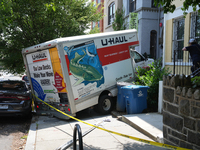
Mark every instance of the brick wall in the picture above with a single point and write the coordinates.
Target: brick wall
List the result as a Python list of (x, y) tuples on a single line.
[(181, 112)]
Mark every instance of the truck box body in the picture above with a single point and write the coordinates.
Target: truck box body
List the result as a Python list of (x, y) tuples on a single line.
[(72, 73)]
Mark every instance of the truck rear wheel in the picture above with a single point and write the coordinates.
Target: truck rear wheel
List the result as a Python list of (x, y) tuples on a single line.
[(105, 105)]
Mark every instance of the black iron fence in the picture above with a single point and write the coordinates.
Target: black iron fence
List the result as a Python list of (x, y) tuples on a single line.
[(182, 62)]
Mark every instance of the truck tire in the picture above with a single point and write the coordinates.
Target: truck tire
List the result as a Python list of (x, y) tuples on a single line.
[(105, 105)]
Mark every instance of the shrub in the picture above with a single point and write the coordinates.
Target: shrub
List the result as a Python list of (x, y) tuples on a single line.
[(151, 77), (196, 82)]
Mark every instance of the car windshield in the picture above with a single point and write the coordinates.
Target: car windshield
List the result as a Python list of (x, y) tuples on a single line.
[(13, 85)]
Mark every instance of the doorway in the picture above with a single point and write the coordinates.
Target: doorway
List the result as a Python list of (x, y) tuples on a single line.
[(153, 44)]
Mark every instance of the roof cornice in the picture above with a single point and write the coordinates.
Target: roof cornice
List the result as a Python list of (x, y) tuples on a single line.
[(147, 9)]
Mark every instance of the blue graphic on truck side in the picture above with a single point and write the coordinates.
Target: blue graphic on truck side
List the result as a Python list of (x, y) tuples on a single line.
[(38, 89), (84, 63)]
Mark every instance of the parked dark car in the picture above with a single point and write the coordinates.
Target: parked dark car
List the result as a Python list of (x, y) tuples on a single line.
[(15, 98)]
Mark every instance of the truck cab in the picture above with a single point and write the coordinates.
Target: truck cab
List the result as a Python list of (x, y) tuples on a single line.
[(139, 59)]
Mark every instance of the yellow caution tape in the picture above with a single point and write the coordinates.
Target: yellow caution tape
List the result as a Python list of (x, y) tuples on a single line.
[(124, 135), (32, 105)]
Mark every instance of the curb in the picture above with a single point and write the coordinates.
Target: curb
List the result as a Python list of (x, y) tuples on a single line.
[(30, 143)]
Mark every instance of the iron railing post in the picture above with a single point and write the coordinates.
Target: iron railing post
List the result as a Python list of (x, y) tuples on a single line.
[(77, 128), (174, 60)]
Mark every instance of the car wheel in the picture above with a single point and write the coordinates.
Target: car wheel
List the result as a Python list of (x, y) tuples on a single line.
[(105, 105)]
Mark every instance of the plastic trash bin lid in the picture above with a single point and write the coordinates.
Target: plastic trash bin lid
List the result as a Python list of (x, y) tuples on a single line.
[(134, 87), (124, 83)]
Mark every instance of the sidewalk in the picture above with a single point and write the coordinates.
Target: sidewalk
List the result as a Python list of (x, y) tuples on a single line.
[(150, 124), (50, 133)]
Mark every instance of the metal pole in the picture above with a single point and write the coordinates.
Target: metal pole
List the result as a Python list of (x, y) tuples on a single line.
[(70, 143), (174, 60), (160, 97)]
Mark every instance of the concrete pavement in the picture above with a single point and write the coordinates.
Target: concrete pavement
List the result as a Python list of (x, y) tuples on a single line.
[(51, 133), (6, 142), (150, 124)]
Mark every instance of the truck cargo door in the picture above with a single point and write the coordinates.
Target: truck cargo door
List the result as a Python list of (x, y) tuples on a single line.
[(46, 75)]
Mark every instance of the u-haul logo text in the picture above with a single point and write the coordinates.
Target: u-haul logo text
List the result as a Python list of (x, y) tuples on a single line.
[(114, 40), (39, 56)]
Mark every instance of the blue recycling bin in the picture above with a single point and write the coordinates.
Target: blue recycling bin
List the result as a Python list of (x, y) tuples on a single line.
[(121, 103), (135, 97)]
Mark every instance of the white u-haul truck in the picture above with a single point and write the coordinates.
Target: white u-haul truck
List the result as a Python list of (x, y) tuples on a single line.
[(75, 73)]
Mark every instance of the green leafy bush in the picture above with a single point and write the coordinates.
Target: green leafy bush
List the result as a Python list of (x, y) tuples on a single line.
[(196, 82), (151, 77)]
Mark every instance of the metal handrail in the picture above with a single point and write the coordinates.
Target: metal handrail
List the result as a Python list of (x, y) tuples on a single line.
[(195, 73), (77, 128)]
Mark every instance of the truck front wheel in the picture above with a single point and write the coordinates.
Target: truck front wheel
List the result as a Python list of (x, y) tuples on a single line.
[(105, 105)]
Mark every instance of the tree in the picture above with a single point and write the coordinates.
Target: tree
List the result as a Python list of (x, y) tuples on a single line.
[(119, 21), (24, 23), (168, 6)]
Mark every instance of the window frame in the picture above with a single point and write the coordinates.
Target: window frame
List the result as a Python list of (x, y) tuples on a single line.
[(193, 26), (111, 13), (132, 9), (177, 40)]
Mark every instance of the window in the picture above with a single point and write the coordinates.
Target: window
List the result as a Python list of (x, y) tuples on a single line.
[(152, 4), (98, 24), (136, 56), (178, 42), (99, 1), (93, 25), (111, 13), (153, 43), (132, 5), (195, 26)]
